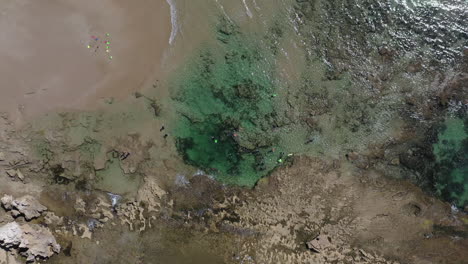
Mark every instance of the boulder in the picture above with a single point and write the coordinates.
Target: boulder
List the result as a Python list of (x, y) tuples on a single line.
[(32, 241), (26, 206), (319, 243)]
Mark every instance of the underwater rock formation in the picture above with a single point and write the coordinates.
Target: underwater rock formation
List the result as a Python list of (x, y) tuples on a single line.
[(451, 152), (226, 110)]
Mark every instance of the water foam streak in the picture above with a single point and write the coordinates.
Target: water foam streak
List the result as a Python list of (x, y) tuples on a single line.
[(175, 26), (249, 13)]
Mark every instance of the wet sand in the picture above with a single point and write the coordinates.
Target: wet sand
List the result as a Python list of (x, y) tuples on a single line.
[(45, 62)]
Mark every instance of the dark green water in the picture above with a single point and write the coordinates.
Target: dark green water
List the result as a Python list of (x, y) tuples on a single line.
[(226, 99), (451, 151)]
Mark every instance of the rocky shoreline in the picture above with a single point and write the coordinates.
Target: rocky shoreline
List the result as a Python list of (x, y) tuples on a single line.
[(308, 211), (351, 142)]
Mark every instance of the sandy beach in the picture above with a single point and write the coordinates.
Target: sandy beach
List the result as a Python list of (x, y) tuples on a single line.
[(71, 54)]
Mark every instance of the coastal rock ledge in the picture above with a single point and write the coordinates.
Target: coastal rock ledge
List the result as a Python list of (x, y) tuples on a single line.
[(26, 206), (32, 241)]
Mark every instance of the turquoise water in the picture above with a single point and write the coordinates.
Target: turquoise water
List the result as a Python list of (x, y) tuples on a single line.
[(451, 152), (226, 97), (319, 78)]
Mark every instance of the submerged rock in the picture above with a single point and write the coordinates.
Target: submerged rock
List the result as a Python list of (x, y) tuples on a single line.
[(26, 206), (15, 173), (32, 241), (20, 175), (11, 173), (227, 112), (52, 219), (80, 205)]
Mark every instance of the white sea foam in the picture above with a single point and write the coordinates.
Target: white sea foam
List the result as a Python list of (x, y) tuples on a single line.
[(115, 198), (199, 172), (181, 180), (175, 26), (256, 5), (224, 12), (247, 10)]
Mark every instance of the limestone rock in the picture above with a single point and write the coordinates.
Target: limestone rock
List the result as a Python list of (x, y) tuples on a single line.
[(365, 254), (133, 215), (15, 173), (86, 233), (359, 160), (26, 206), (32, 241), (319, 243), (80, 205), (102, 211), (100, 159), (151, 194), (2, 156), (52, 219), (7, 257), (11, 173), (5, 218), (20, 175), (10, 235)]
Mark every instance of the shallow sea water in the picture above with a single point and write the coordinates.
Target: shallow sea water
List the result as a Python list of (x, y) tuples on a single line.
[(254, 83), (268, 79)]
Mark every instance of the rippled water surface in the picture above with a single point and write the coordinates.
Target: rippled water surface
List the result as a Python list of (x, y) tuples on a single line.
[(267, 80)]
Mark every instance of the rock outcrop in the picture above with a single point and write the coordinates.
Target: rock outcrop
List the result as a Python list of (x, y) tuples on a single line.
[(32, 241), (151, 194), (7, 257), (26, 206), (319, 243)]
